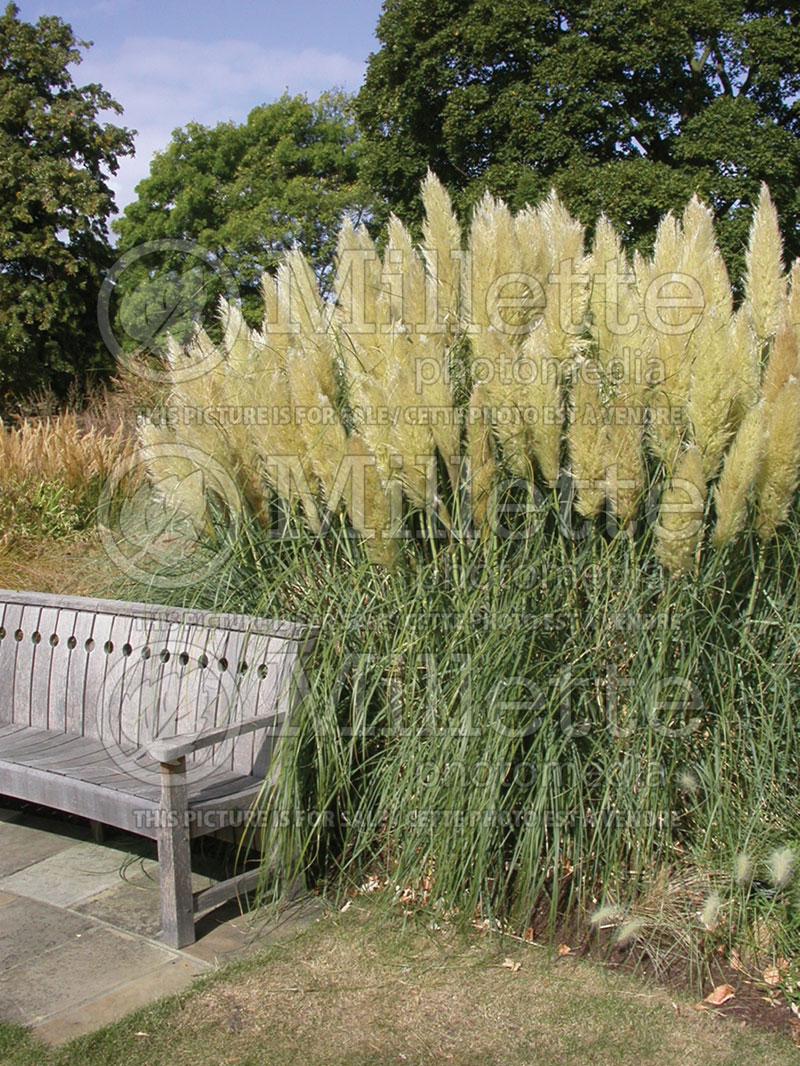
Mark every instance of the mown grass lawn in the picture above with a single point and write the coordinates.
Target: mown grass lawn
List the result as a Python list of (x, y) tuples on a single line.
[(349, 991)]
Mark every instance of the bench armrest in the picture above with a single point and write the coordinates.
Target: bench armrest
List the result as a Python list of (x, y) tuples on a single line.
[(170, 749)]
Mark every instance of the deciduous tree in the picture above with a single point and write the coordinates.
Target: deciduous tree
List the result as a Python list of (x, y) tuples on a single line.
[(626, 108), (56, 158)]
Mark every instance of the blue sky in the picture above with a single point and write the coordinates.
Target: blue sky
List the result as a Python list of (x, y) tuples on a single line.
[(174, 61)]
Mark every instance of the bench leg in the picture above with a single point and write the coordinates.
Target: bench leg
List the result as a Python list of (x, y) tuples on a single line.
[(174, 860)]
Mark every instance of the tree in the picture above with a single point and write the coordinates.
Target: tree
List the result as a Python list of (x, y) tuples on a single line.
[(626, 108), (246, 193), (55, 161)]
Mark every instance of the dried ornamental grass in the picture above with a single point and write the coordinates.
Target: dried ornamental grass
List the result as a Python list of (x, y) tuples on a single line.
[(535, 328)]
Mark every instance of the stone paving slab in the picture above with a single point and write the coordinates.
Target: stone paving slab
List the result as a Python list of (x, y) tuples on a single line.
[(79, 929), (105, 959), (75, 873), (29, 928), (166, 979), (24, 845), (133, 903)]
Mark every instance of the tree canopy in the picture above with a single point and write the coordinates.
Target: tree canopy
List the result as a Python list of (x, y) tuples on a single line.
[(625, 108), (55, 162), (246, 192)]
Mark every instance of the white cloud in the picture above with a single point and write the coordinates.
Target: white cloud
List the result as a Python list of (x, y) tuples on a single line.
[(165, 82)]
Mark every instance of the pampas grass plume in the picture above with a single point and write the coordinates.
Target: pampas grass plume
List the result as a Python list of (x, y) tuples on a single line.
[(780, 864)]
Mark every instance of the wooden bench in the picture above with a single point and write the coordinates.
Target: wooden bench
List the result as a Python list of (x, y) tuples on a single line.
[(156, 720)]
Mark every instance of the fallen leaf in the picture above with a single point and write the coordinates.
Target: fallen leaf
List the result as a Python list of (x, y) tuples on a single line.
[(699, 1006), (720, 995), (736, 961), (772, 976), (510, 964), (347, 906), (528, 938), (564, 949)]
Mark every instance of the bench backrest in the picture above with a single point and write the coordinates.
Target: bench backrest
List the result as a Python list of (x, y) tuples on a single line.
[(124, 673)]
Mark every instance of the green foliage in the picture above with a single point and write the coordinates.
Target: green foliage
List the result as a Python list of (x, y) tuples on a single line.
[(625, 109), (55, 160), (247, 192), (520, 729), (33, 509)]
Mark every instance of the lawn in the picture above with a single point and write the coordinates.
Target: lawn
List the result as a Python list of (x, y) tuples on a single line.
[(352, 991)]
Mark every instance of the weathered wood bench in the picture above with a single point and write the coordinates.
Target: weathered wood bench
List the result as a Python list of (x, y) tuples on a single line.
[(156, 720)]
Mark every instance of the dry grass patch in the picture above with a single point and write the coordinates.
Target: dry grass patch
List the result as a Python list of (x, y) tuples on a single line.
[(70, 567), (351, 991)]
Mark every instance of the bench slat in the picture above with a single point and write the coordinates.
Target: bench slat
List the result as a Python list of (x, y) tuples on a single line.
[(86, 685)]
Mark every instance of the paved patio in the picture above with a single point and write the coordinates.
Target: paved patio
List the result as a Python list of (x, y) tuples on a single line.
[(79, 927)]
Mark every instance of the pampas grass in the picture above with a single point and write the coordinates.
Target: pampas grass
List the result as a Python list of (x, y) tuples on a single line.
[(629, 377)]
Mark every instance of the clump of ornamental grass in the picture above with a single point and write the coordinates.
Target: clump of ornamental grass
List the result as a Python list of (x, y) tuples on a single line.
[(51, 473), (548, 531)]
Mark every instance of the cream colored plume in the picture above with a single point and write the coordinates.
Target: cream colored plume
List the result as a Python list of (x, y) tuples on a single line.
[(482, 469), (535, 257), (624, 460), (794, 296), (778, 477), (680, 517), (587, 439), (714, 391), (173, 470), (702, 262), (411, 440), (742, 465), (309, 319), (369, 504), (613, 306), (318, 423), (442, 251), (765, 284), (564, 311), (782, 363), (236, 338), (404, 283), (748, 361), (541, 407), (490, 267), (721, 368), (275, 329), (358, 286)]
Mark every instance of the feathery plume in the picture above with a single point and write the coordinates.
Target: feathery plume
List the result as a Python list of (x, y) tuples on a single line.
[(780, 470), (765, 285), (742, 465), (793, 313), (540, 400), (442, 251), (586, 437), (624, 462), (482, 468), (369, 504), (743, 869), (781, 863), (175, 476), (318, 423), (308, 317), (680, 520), (782, 362)]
